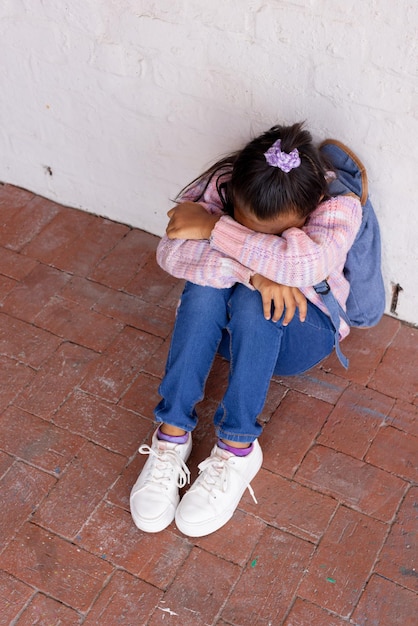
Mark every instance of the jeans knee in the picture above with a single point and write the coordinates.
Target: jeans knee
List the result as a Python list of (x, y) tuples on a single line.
[(203, 301), (246, 306)]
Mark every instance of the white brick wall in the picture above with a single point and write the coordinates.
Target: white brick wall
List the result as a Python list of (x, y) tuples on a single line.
[(127, 100)]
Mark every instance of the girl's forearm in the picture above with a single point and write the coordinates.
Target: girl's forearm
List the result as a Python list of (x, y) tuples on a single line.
[(197, 262), (300, 257)]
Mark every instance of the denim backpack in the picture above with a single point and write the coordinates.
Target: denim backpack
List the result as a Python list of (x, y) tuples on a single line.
[(366, 300)]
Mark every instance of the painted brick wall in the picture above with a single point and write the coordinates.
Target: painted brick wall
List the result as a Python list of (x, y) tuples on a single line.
[(113, 106)]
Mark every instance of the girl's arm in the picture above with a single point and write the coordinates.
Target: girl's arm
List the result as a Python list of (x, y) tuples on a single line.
[(198, 262), (190, 256), (195, 259), (299, 257)]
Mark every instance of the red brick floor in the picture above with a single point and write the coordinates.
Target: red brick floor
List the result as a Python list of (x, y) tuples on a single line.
[(85, 322)]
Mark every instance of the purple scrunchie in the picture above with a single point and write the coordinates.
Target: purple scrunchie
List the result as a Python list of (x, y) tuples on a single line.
[(284, 161)]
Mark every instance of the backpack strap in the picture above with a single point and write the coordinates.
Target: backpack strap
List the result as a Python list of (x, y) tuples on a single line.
[(351, 179), (335, 311), (351, 173)]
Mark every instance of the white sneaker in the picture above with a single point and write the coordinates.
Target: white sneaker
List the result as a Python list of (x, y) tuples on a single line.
[(214, 496), (155, 495)]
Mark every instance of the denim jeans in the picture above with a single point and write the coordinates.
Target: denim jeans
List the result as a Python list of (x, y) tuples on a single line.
[(232, 322)]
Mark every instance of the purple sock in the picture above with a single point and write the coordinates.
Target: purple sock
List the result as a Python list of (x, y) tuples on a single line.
[(236, 451), (171, 438)]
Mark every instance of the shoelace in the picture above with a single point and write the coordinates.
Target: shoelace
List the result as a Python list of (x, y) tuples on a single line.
[(216, 472), (164, 462)]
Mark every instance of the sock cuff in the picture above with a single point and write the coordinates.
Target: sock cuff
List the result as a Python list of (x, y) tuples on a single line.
[(236, 451), (171, 438)]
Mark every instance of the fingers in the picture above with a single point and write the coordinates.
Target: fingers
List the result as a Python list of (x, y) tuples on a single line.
[(294, 299), (302, 304), (267, 305), (177, 222), (277, 305), (285, 300), (290, 310), (170, 226), (171, 230), (278, 299)]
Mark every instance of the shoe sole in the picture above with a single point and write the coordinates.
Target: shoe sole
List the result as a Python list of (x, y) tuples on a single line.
[(207, 528), (157, 525)]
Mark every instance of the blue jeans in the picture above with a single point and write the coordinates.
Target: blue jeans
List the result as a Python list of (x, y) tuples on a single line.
[(231, 321)]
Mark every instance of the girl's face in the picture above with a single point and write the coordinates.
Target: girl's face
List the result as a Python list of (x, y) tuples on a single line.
[(272, 226)]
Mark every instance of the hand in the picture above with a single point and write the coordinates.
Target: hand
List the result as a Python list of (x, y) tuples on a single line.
[(282, 297), (190, 220)]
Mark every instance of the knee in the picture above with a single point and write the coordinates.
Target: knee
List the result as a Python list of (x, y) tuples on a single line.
[(246, 305), (198, 300)]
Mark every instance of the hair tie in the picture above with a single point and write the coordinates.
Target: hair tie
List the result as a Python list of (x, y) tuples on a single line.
[(284, 161)]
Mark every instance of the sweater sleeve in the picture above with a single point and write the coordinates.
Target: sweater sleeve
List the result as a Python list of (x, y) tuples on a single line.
[(300, 257), (196, 260)]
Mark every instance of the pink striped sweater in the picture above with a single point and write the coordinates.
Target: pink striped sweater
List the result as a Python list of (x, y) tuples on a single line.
[(300, 257)]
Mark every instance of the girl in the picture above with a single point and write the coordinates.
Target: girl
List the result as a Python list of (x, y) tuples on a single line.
[(251, 236)]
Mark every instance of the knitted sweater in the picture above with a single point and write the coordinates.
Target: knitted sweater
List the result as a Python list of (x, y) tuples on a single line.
[(299, 257)]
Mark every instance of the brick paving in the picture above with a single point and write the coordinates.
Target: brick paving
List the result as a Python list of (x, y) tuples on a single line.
[(85, 321)]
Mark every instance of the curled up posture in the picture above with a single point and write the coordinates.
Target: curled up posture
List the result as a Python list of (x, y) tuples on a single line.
[(251, 237)]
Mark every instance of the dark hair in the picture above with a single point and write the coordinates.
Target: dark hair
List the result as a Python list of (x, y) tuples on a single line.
[(264, 190)]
